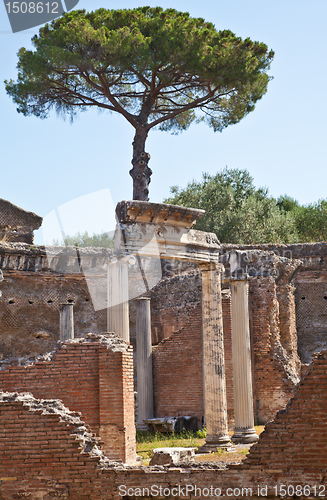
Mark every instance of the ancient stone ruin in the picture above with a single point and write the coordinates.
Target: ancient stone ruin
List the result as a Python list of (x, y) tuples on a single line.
[(224, 337), (16, 224)]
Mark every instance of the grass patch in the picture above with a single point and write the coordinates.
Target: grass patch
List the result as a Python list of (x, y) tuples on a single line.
[(146, 442)]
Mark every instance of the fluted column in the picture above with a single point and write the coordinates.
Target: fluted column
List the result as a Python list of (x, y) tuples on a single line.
[(144, 362), (118, 311), (66, 322), (241, 354), (213, 358)]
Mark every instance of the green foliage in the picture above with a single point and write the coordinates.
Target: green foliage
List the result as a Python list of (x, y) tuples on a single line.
[(172, 437), (287, 203), (201, 433), (158, 68), (103, 240), (235, 210), (311, 221), (240, 213)]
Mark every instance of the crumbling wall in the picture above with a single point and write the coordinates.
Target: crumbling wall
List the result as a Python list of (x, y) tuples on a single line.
[(35, 284), (275, 372), (47, 452), (297, 437), (177, 357), (310, 291), (29, 312), (176, 319), (169, 300), (275, 363), (311, 313), (93, 376), (32, 291), (16, 224)]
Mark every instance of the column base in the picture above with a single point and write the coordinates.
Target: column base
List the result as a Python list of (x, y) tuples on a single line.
[(222, 443), (245, 436), (142, 427)]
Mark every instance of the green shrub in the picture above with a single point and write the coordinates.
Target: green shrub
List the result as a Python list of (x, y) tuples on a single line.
[(202, 433)]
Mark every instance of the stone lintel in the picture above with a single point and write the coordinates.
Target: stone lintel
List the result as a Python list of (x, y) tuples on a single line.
[(157, 213)]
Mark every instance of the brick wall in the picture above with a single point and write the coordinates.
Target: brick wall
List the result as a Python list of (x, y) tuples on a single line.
[(29, 312), (276, 371), (176, 318), (311, 312), (177, 367), (46, 452), (297, 437), (93, 376), (116, 404), (177, 360)]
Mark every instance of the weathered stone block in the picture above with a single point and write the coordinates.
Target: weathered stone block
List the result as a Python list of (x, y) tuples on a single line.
[(167, 456)]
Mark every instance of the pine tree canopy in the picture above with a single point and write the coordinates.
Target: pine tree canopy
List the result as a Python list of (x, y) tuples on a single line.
[(158, 68)]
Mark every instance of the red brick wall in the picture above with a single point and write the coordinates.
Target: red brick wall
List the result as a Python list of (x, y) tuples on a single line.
[(297, 438), (177, 367), (116, 404), (176, 317), (45, 452), (311, 312), (275, 373), (177, 362), (89, 377)]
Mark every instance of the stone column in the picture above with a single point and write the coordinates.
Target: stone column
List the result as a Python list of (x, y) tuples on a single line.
[(213, 359), (144, 362), (241, 353), (66, 322), (118, 311)]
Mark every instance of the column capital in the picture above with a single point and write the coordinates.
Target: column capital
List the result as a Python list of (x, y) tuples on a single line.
[(64, 305), (211, 266), (240, 277)]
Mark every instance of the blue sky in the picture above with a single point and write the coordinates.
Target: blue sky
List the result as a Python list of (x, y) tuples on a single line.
[(48, 163)]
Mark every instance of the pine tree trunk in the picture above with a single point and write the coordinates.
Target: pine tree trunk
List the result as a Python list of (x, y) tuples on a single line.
[(140, 172)]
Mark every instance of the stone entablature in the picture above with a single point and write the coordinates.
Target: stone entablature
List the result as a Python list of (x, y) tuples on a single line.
[(312, 255), (166, 236), (157, 213), (68, 260)]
